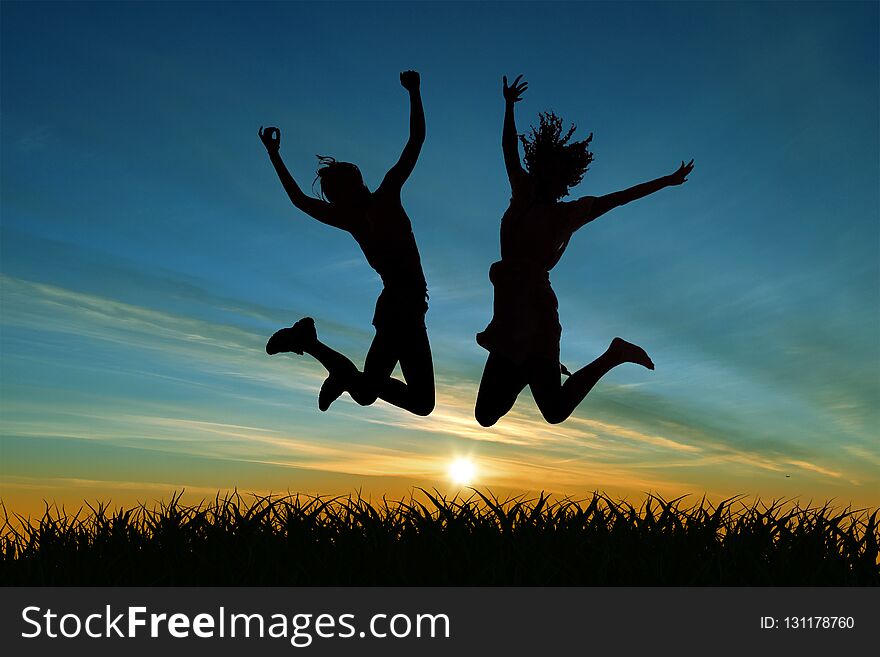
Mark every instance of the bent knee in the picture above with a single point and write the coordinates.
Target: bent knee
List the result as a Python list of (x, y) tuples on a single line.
[(554, 415), (423, 409), (362, 398), (485, 419), (423, 406)]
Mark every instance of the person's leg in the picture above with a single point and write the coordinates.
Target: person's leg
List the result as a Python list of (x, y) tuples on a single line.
[(557, 402), (365, 386), (417, 393), (401, 336), (412, 349), (303, 338), (500, 385)]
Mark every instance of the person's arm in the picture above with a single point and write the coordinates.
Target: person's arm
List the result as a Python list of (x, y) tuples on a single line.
[(509, 145), (315, 208), (398, 174), (588, 208)]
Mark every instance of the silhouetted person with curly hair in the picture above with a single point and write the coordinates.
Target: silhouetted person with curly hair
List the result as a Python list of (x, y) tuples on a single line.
[(523, 336), (381, 227)]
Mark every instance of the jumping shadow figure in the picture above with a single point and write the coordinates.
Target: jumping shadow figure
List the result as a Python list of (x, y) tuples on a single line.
[(381, 227), (523, 337)]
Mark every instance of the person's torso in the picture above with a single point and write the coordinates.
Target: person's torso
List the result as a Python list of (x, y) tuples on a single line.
[(532, 232), (384, 232)]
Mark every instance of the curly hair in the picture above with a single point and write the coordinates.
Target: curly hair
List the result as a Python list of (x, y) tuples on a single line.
[(556, 164)]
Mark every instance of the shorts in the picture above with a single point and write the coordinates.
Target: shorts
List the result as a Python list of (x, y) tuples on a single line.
[(400, 310)]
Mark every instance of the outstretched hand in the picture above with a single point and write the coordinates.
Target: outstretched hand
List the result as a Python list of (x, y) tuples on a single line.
[(271, 138), (514, 92), (681, 175), (410, 80)]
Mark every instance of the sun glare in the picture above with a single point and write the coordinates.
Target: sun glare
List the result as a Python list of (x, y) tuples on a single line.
[(461, 471)]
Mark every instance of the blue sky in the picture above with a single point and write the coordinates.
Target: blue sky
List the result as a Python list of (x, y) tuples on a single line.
[(147, 249)]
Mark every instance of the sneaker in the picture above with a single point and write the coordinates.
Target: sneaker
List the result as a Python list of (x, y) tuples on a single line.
[(337, 382), (294, 338)]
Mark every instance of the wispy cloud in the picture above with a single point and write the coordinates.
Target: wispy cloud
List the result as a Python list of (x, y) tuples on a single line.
[(220, 349), (521, 450), (812, 467), (872, 457)]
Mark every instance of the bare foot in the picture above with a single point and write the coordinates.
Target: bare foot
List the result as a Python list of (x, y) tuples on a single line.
[(293, 339), (628, 352)]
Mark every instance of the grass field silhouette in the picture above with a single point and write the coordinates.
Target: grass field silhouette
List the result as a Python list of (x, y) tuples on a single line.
[(430, 539)]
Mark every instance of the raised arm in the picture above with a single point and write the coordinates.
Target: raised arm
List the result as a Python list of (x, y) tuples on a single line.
[(315, 208), (398, 174), (591, 207), (509, 145)]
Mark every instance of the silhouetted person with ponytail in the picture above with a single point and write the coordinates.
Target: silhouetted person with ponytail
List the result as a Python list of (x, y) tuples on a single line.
[(523, 336), (379, 224)]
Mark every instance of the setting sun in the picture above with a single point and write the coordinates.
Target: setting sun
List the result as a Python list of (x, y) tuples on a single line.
[(461, 471)]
